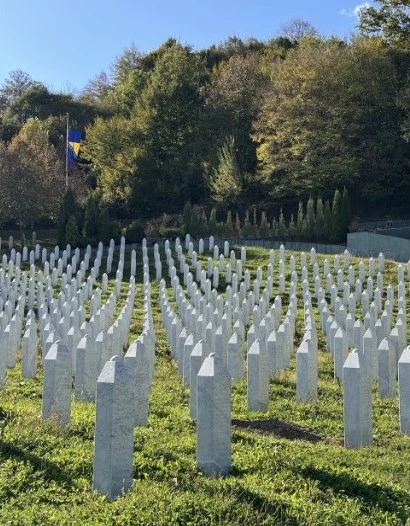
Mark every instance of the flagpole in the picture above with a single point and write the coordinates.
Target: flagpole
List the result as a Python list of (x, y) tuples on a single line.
[(66, 156)]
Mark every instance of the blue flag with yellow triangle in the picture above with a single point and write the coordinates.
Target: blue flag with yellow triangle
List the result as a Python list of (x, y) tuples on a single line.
[(74, 141)]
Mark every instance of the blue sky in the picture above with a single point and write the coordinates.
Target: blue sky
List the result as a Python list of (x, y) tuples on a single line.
[(65, 44)]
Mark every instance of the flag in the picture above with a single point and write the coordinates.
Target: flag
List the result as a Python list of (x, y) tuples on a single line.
[(74, 141)]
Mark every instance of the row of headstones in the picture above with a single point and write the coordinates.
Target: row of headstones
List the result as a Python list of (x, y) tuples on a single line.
[(349, 299), (206, 372), (59, 319), (121, 390), (257, 388), (305, 284), (357, 396), (371, 311), (337, 258), (307, 374), (89, 358), (121, 404), (379, 351), (10, 243), (86, 288)]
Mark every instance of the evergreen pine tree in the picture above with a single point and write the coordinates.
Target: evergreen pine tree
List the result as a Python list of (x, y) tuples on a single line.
[(91, 218), (319, 223), (195, 221), (292, 228), (255, 224), (310, 219), (105, 229), (274, 228), (237, 226), (335, 231), (71, 232), (68, 207), (345, 214), (247, 229), (203, 225), (264, 226), (212, 223), (229, 225), (300, 225), (187, 217), (282, 230), (327, 221)]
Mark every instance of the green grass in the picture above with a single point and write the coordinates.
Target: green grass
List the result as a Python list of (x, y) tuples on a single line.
[(288, 465)]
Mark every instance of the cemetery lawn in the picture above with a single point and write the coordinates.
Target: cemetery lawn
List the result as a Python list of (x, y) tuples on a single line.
[(289, 465)]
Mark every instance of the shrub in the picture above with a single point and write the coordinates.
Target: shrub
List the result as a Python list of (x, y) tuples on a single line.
[(335, 227), (187, 218), (68, 208), (107, 228), (134, 233), (171, 232), (91, 218), (71, 232)]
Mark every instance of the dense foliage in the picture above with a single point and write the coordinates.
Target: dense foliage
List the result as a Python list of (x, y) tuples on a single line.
[(238, 125)]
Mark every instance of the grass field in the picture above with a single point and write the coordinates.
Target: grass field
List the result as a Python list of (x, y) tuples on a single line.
[(289, 465)]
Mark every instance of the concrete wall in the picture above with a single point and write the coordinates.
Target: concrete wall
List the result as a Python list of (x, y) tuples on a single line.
[(366, 244), (297, 246), (403, 232)]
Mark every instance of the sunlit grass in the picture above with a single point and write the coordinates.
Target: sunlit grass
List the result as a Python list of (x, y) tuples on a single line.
[(289, 464)]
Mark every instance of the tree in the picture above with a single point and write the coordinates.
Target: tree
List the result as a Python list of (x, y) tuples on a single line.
[(327, 223), (391, 20), (71, 235), (129, 60), (229, 225), (226, 181), (300, 224), (232, 102), (247, 229), (292, 228), (336, 230), (187, 217), (91, 219), (167, 169), (111, 147), (297, 29), (100, 92), (310, 218), (212, 223), (320, 219), (237, 225), (68, 207), (345, 214), (281, 227), (106, 229), (31, 176), (264, 226), (196, 221), (15, 85), (203, 225), (324, 123)]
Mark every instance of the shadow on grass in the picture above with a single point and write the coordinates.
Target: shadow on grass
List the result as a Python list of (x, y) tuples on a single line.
[(372, 495), (278, 428), (279, 512), (51, 471)]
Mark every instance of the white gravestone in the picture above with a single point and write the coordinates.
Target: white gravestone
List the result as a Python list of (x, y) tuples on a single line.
[(213, 451), (404, 391), (57, 383), (357, 403), (114, 425)]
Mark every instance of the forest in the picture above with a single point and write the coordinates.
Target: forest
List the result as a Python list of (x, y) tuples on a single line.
[(244, 126)]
